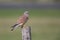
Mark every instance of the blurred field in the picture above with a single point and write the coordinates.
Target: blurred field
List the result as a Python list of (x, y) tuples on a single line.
[(45, 24)]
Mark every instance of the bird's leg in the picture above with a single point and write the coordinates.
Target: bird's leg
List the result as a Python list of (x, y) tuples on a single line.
[(21, 26)]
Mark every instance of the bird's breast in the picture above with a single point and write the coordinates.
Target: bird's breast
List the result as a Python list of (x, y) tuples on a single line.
[(22, 20)]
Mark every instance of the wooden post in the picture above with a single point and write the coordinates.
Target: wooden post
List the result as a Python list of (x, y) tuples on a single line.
[(26, 33)]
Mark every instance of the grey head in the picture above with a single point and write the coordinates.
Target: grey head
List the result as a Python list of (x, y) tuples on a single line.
[(26, 13)]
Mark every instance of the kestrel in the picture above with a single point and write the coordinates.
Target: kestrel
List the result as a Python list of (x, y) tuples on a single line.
[(21, 21)]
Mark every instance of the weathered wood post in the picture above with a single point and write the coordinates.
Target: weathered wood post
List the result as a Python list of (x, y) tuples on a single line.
[(26, 33)]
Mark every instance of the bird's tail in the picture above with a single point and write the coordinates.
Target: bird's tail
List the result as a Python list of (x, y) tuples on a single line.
[(14, 26)]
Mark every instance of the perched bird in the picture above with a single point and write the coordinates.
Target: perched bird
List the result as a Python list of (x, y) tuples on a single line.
[(21, 21)]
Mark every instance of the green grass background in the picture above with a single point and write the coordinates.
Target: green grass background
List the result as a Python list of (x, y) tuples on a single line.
[(45, 24)]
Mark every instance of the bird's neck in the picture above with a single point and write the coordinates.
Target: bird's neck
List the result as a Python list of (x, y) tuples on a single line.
[(26, 15)]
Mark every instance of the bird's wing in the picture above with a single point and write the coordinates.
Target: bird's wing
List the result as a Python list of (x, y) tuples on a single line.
[(22, 19)]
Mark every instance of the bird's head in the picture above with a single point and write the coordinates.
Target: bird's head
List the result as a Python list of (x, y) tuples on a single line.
[(26, 13)]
